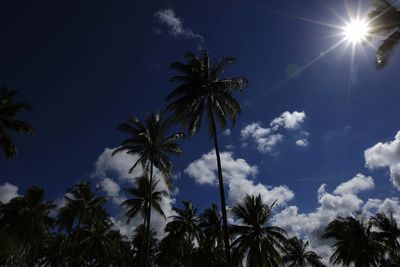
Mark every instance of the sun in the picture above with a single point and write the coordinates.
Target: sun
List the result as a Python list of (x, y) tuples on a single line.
[(356, 31)]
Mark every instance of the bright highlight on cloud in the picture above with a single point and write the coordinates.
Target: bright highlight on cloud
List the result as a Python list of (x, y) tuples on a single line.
[(268, 138), (7, 192), (386, 154), (237, 174)]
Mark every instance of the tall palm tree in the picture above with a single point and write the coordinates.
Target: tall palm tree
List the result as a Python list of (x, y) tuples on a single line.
[(388, 234), (257, 241), (385, 21), (152, 142), (139, 244), (354, 242), (25, 224), (9, 110), (298, 255), (202, 90)]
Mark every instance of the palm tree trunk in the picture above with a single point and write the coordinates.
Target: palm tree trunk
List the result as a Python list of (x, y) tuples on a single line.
[(149, 215), (222, 195)]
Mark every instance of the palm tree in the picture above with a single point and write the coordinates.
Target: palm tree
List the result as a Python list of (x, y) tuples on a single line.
[(140, 203), (9, 109), (298, 255), (202, 90), (152, 145), (177, 247), (211, 248), (260, 243), (385, 20), (25, 224), (388, 234), (354, 242), (139, 244)]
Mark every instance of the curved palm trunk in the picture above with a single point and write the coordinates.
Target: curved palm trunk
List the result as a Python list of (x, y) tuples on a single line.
[(222, 195), (149, 216)]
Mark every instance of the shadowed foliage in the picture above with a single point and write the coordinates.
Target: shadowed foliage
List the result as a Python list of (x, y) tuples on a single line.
[(9, 110), (256, 241), (385, 25), (355, 243), (298, 255), (202, 91)]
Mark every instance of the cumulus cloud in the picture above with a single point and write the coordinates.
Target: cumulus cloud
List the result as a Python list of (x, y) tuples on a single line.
[(386, 154), (227, 132), (343, 201), (169, 18), (237, 174), (267, 138), (7, 192), (112, 174)]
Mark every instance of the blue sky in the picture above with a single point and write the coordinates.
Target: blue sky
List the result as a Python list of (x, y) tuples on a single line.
[(87, 66)]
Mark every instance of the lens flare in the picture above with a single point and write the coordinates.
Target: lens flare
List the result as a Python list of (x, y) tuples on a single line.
[(356, 31)]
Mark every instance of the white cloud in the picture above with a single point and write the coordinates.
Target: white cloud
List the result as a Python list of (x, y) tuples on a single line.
[(8, 192), (342, 202), (386, 154), (302, 142), (289, 120), (236, 174), (112, 172), (268, 138), (227, 132), (168, 17)]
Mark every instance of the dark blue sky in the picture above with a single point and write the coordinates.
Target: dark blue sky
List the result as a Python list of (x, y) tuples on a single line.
[(86, 66)]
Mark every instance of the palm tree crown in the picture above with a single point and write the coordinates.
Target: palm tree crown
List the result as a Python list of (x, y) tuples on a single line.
[(354, 242), (298, 255), (151, 142), (385, 21), (260, 243), (9, 109), (139, 204)]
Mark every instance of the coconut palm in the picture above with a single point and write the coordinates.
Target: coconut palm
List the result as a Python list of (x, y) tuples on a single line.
[(385, 21), (388, 234), (25, 223), (355, 243), (257, 241), (139, 244), (140, 203), (202, 90), (152, 143), (210, 251), (298, 255), (177, 247), (9, 110)]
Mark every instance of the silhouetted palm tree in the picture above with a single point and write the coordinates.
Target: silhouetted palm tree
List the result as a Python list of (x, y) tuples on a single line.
[(385, 20), (139, 244), (140, 203), (9, 110), (151, 142), (202, 90), (256, 241), (354, 243), (388, 234), (210, 251), (176, 249), (298, 255), (24, 227)]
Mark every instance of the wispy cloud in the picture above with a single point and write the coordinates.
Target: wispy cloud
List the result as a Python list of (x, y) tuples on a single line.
[(175, 25)]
